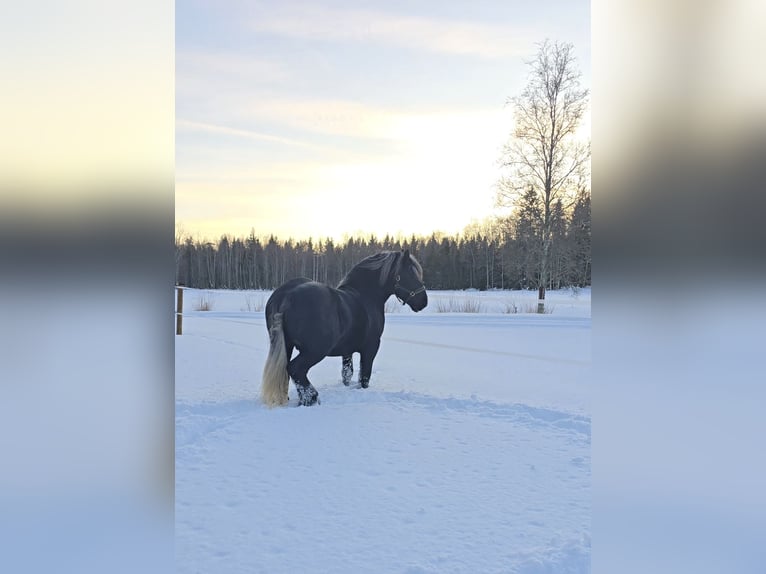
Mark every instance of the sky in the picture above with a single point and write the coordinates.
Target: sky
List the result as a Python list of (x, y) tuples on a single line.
[(326, 119)]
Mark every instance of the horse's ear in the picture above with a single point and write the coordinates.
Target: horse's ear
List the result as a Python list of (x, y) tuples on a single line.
[(406, 253)]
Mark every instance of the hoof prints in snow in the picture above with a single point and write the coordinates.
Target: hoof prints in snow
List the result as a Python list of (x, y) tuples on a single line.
[(198, 420), (194, 422), (513, 412), (406, 481)]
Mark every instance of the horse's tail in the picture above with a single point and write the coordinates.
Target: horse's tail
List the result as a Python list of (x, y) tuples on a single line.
[(275, 381)]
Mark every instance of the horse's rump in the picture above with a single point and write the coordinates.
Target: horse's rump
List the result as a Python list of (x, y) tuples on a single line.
[(274, 303)]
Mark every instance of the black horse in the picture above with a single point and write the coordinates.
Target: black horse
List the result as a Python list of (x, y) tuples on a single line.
[(321, 321)]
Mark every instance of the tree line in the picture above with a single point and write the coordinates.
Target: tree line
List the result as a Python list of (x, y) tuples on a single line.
[(498, 253)]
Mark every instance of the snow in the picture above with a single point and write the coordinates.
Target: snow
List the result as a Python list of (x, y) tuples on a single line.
[(470, 451)]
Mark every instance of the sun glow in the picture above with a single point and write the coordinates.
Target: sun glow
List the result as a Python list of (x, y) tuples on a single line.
[(440, 177)]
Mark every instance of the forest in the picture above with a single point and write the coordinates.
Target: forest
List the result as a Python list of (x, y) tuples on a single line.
[(498, 253)]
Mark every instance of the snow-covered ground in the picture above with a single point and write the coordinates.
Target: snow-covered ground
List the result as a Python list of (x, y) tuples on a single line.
[(470, 451)]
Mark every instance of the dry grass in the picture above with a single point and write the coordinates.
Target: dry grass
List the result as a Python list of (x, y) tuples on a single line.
[(453, 305), (204, 302), (574, 291), (511, 308), (254, 304)]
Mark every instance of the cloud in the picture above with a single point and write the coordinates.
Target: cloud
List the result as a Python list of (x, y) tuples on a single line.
[(310, 124), (191, 125), (225, 93), (327, 116), (198, 68), (433, 35)]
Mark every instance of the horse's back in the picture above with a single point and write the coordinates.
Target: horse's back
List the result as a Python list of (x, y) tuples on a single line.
[(314, 314)]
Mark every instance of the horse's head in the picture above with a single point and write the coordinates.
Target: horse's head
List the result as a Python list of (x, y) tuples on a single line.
[(408, 282)]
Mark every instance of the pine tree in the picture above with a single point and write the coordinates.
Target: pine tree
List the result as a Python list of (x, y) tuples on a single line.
[(579, 241)]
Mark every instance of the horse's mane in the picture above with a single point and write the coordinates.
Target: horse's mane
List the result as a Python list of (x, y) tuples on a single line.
[(417, 267), (381, 263)]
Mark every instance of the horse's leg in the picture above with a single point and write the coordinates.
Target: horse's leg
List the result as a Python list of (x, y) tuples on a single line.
[(367, 356), (347, 370), (298, 369)]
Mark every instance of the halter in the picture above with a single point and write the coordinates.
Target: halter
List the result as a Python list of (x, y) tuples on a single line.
[(409, 294)]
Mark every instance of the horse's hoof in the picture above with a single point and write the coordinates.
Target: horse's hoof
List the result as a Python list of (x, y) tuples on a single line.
[(308, 398), (364, 384)]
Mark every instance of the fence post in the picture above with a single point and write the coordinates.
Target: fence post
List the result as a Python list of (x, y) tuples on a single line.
[(179, 310)]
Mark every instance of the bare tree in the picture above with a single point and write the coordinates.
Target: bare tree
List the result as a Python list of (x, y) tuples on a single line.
[(179, 251), (543, 153)]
